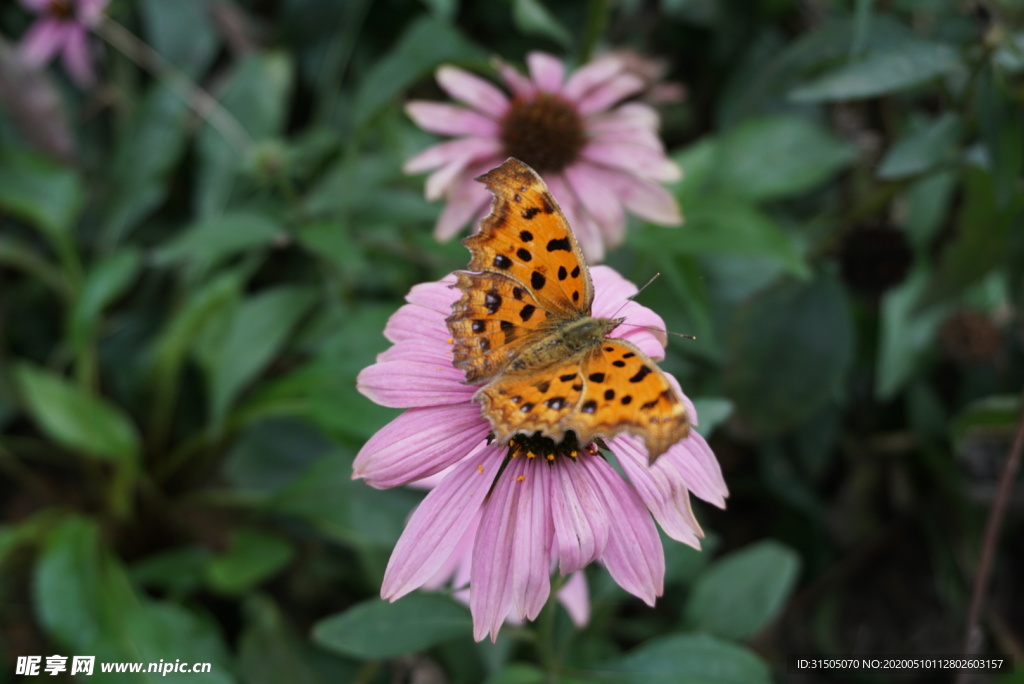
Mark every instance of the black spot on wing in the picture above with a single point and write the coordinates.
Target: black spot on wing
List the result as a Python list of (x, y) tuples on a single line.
[(479, 326), (524, 254), (538, 280), (596, 377), (501, 261), (526, 312), (609, 394), (525, 235), (567, 377), (641, 374), (562, 273), (492, 301), (517, 293), (557, 244), (589, 406), (543, 386), (618, 364), (530, 212), (575, 272)]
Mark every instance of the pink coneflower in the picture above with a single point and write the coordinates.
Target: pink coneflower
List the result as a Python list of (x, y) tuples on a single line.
[(598, 155), (62, 26), (535, 506)]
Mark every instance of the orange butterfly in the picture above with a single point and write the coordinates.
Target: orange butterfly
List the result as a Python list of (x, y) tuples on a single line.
[(523, 328)]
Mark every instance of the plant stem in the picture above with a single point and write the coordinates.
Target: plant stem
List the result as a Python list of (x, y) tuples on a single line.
[(972, 638)]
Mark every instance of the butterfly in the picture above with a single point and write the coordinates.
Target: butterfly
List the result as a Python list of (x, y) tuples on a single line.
[(523, 330)]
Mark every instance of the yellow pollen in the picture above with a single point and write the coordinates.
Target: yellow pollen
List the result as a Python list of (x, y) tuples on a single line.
[(480, 469), (520, 478), (451, 341), (551, 457), (530, 454)]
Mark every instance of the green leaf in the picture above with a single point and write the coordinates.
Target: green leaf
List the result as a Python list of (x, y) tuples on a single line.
[(329, 499), (738, 595), (723, 224), (880, 72), (778, 156), (982, 235), (273, 453), (788, 351), (164, 631), (69, 584), (39, 190), (144, 155), (425, 45), (257, 95), (75, 419), (18, 254), (254, 336), (271, 652), (254, 557), (208, 242), (104, 283), (182, 32), (689, 658), (177, 572), (906, 333), (924, 149), (378, 629), (534, 19)]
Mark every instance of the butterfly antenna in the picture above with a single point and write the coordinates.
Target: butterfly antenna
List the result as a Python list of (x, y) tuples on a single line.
[(648, 327)]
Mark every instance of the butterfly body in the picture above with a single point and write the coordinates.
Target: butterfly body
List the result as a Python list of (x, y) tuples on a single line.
[(523, 329)]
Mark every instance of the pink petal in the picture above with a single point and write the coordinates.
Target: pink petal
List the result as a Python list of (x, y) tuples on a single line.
[(471, 149), (601, 204), (642, 162), (616, 90), (625, 117), (491, 598), (531, 576), (468, 200), (649, 200), (76, 57), (546, 71), (588, 77), (520, 85), (633, 556), (581, 528), (419, 443), (407, 384), (42, 41), (626, 135), (437, 296), (91, 11), (575, 598), (414, 350), (438, 524), (473, 91), (642, 326), (699, 467), (446, 119), (446, 178), (455, 571), (662, 488), (413, 322)]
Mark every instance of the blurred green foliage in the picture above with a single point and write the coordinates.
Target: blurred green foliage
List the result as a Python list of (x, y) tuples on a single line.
[(188, 291)]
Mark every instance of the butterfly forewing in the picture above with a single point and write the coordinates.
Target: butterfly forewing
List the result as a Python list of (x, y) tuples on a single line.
[(527, 238)]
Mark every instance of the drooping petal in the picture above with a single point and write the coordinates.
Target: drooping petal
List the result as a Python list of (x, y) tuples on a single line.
[(491, 598), (633, 555), (446, 119), (698, 466), (413, 350), (624, 117), (575, 597), (472, 90), (546, 70), (649, 200), (468, 201), (446, 179), (581, 527), (438, 524), (531, 579), (662, 489), (419, 443), (89, 12)]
